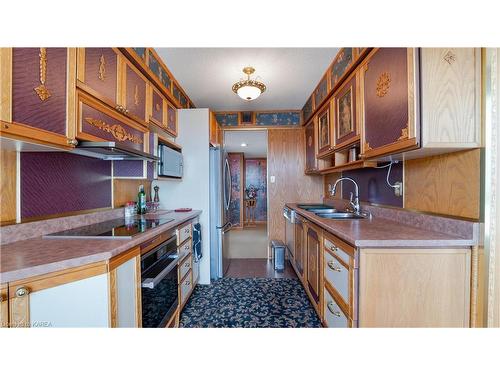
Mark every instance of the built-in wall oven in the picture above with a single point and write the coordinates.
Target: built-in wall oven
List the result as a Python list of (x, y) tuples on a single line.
[(159, 281)]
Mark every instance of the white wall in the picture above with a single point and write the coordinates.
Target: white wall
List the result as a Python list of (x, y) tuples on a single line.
[(193, 190)]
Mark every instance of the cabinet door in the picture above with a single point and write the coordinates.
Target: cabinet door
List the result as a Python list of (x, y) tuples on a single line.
[(97, 122), (321, 91), (171, 120), (451, 92), (313, 242), (99, 74), (341, 64), (134, 93), (38, 87), (311, 161), (4, 306), (158, 107), (389, 101), (325, 134), (57, 302), (345, 106), (299, 247)]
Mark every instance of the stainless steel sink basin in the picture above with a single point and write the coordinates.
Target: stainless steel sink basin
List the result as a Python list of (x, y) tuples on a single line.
[(340, 215), (317, 208)]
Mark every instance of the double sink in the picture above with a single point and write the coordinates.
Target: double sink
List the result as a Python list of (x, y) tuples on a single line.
[(328, 212)]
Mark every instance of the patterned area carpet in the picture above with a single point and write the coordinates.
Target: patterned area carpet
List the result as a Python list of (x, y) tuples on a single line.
[(249, 303)]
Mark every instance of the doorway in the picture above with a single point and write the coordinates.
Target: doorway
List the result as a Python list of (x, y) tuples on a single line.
[(248, 211)]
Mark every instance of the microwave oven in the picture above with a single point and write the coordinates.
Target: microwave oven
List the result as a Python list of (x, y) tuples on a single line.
[(170, 163)]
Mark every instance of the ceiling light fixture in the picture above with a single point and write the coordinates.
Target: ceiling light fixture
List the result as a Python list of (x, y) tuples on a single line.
[(249, 89), (244, 145)]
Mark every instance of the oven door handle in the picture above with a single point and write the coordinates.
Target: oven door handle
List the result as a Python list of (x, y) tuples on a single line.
[(152, 282)]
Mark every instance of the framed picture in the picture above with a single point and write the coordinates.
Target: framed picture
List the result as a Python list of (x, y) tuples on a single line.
[(324, 130), (246, 118), (345, 114)]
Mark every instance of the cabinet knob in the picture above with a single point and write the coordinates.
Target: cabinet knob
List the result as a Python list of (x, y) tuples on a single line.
[(5, 126), (22, 291), (1, 298), (72, 142), (334, 248)]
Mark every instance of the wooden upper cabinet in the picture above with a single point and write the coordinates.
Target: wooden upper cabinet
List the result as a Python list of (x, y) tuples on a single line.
[(158, 106), (310, 141), (171, 119), (389, 101), (97, 122), (308, 109), (342, 63), (325, 133), (321, 91), (134, 90), (37, 88), (451, 94), (346, 112), (214, 130), (99, 73)]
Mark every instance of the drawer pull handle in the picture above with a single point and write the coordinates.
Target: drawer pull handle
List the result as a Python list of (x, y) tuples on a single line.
[(1, 298), (334, 248), (331, 264), (330, 306), (186, 265), (186, 230), (22, 291), (188, 282)]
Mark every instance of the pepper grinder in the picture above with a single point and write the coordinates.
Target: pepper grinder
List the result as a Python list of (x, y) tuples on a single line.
[(156, 199)]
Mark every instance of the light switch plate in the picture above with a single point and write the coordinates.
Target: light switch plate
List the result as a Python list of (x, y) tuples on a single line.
[(273, 179)]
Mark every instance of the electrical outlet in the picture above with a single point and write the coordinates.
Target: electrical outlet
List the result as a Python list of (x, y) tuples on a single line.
[(398, 189), (273, 179)]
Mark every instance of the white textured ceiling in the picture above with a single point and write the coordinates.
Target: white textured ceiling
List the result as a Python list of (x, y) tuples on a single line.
[(256, 141), (207, 74)]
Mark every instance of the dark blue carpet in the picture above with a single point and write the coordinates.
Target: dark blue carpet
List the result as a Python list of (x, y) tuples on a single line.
[(249, 303)]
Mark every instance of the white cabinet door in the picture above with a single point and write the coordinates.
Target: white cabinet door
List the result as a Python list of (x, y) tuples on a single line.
[(126, 294), (82, 303)]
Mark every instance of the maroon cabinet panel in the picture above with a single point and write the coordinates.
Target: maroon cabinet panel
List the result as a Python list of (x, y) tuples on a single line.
[(345, 106), (171, 120), (39, 88), (98, 70), (342, 63), (135, 93), (97, 122), (388, 100), (311, 162), (156, 107)]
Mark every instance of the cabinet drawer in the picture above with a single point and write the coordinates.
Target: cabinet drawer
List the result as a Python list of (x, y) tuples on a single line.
[(185, 288), (185, 267), (337, 275), (337, 250), (334, 316), (185, 247), (183, 233)]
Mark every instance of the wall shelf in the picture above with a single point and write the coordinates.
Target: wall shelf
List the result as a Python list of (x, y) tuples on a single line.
[(358, 164)]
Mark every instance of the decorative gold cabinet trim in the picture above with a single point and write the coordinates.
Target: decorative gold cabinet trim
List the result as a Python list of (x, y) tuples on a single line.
[(450, 57), (102, 68), (136, 95), (42, 91), (404, 133), (383, 84), (115, 130), (367, 146)]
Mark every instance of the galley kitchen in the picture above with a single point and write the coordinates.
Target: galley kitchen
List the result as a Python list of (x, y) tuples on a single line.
[(308, 187)]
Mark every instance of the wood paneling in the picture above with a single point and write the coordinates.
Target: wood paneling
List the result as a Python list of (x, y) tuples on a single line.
[(126, 190), (414, 287), (330, 179), (446, 184), (286, 162), (8, 163)]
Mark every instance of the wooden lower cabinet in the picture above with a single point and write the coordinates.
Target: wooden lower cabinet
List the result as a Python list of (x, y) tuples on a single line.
[(4, 306), (314, 280), (104, 294), (300, 250), (414, 287)]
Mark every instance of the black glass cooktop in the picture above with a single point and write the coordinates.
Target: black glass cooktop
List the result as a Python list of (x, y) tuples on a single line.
[(114, 229)]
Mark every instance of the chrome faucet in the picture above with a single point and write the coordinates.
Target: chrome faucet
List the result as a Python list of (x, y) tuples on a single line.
[(354, 203)]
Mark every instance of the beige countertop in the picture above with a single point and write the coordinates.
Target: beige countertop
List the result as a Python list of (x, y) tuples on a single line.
[(379, 232), (38, 256)]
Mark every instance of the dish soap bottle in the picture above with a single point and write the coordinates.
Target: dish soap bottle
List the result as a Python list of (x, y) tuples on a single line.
[(141, 201)]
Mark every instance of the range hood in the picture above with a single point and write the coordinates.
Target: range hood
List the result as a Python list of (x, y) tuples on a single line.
[(111, 151)]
